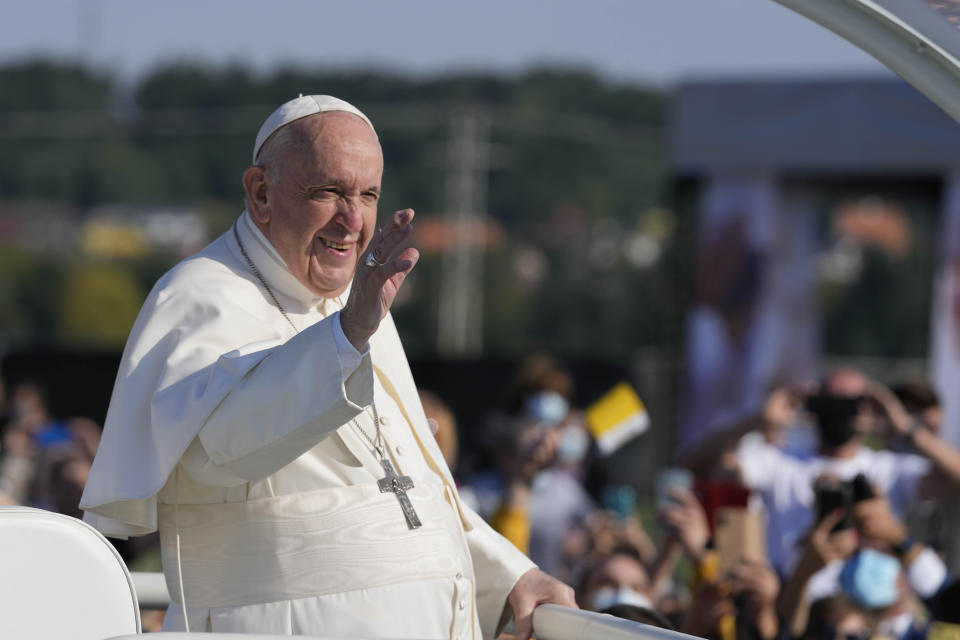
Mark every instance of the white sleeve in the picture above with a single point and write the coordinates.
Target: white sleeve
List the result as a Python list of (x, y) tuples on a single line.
[(906, 471), (926, 573), (299, 393), (759, 462), (497, 564), (349, 356)]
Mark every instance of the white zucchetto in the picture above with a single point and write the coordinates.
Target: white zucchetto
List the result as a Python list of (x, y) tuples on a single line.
[(302, 107)]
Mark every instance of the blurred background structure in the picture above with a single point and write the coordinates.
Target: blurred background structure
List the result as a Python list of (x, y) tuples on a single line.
[(704, 199)]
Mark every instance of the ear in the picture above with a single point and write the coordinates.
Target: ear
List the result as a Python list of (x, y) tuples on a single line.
[(255, 186)]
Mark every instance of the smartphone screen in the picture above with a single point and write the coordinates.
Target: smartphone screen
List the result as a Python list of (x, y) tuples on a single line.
[(669, 479)]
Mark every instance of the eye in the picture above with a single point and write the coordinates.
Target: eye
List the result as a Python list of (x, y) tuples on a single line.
[(325, 193), (370, 197)]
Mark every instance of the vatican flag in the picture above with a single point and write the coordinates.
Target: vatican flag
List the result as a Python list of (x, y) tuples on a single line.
[(617, 417)]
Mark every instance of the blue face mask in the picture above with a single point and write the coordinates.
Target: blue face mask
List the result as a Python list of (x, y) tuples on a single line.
[(870, 578), (573, 445), (548, 407)]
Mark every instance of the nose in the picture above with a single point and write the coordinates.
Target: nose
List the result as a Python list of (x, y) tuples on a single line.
[(349, 214)]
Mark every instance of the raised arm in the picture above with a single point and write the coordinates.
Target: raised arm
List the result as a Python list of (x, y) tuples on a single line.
[(778, 411), (309, 386), (943, 454)]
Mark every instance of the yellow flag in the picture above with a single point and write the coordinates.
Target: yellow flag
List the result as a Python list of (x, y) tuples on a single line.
[(617, 417)]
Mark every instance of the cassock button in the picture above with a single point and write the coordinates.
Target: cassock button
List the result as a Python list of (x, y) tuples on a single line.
[(399, 450), (459, 575), (462, 605), (384, 421)]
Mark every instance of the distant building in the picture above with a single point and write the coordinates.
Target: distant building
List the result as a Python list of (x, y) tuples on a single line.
[(816, 202)]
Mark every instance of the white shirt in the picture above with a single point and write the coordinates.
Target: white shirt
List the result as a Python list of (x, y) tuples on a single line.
[(785, 484)]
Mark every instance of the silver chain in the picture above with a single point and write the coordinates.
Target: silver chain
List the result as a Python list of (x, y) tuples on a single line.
[(376, 443), (256, 272)]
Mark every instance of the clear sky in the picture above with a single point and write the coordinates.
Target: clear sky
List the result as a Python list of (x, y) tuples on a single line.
[(647, 41)]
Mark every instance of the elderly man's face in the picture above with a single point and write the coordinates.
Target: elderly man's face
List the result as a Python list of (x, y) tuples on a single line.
[(319, 205)]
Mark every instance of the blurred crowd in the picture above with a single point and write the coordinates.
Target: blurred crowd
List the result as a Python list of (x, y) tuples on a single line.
[(830, 513), (44, 462)]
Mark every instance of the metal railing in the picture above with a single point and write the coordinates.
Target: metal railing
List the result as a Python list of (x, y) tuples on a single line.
[(553, 622), (550, 621), (152, 593)]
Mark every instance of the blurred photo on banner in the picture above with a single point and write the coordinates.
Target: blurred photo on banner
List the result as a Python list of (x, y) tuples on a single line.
[(752, 324), (945, 330)]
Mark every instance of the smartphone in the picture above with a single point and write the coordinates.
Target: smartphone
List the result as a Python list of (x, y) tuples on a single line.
[(739, 534), (620, 499), (833, 495), (669, 479), (860, 489)]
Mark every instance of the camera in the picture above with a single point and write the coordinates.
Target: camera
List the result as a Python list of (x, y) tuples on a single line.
[(832, 494)]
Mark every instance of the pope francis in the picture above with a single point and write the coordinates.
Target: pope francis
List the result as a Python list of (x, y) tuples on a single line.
[(265, 421)]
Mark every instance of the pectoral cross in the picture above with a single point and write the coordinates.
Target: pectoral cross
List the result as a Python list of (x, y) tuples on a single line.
[(398, 485)]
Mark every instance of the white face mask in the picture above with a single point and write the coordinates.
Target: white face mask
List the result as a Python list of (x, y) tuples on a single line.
[(573, 445), (548, 407), (606, 597)]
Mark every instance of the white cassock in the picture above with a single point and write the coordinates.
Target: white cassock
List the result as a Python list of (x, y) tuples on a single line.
[(231, 429)]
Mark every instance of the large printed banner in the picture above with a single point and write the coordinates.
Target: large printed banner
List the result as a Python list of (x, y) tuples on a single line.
[(945, 318), (753, 322)]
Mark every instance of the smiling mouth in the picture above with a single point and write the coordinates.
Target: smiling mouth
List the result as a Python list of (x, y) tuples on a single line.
[(337, 246)]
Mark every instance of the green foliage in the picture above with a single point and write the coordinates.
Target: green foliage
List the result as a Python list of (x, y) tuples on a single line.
[(571, 154), (99, 305), (42, 84), (27, 304)]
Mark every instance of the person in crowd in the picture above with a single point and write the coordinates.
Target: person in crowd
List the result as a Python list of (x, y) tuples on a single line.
[(17, 464), (28, 431), (534, 495), (837, 618), (934, 518), (618, 578), (618, 584), (846, 408), (264, 388), (443, 425), (921, 401), (869, 558), (738, 602), (541, 389), (44, 461)]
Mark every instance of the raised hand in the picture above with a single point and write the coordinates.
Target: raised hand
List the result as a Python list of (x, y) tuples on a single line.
[(758, 580), (823, 545), (688, 522), (876, 521), (891, 409), (781, 407), (375, 285)]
